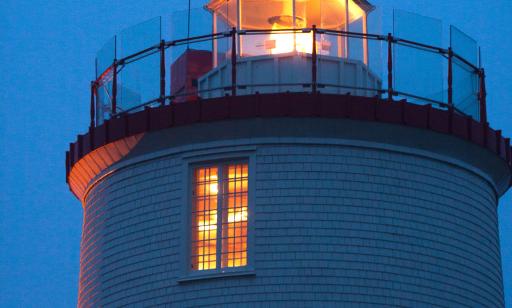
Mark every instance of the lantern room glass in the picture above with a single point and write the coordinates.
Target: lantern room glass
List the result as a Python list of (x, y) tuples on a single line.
[(289, 14)]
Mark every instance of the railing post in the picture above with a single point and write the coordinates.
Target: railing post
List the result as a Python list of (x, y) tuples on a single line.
[(450, 77), (233, 61), (314, 63), (114, 89), (483, 97), (390, 67), (162, 72), (93, 104)]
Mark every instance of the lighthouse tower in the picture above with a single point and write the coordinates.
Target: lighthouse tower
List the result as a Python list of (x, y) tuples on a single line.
[(272, 162)]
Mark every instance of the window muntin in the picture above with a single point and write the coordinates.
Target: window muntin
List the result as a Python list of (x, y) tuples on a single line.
[(234, 222), (204, 217), (219, 216)]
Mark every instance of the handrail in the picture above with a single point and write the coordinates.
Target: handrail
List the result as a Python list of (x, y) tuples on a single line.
[(118, 64)]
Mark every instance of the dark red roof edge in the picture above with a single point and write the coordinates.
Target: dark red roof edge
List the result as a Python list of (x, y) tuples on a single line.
[(290, 105)]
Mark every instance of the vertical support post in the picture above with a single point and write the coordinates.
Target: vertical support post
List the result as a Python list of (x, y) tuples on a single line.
[(483, 97), (114, 89), (390, 67), (214, 41), (450, 77), (239, 24), (162, 72), (100, 112), (294, 25), (93, 104), (314, 63), (233, 61), (365, 40), (114, 81)]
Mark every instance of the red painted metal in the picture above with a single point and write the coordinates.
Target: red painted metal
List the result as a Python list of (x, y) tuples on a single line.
[(185, 71), (233, 61), (93, 103), (114, 89), (290, 105), (162, 72), (450, 77), (483, 97), (390, 67)]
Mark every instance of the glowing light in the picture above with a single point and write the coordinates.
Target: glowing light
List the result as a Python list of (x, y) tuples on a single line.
[(235, 231), (240, 215), (214, 188), (204, 246), (289, 42), (210, 226), (232, 220)]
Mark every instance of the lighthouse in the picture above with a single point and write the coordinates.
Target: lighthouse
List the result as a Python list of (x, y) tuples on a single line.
[(272, 162)]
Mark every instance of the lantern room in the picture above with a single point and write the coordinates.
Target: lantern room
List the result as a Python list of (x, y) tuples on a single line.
[(275, 41), (282, 15)]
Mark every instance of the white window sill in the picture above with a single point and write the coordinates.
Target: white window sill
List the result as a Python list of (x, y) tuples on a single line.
[(215, 275)]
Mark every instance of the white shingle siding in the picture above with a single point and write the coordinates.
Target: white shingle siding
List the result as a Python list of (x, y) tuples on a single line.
[(333, 225)]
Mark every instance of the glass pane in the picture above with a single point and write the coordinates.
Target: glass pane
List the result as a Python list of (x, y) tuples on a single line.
[(204, 219), (223, 47), (463, 45), (355, 44), (308, 13), (256, 45), (105, 56), (425, 65), (356, 24), (188, 71), (139, 37), (212, 81), (465, 78), (104, 97), (333, 14), (376, 47), (201, 23), (271, 14), (341, 76), (189, 61), (235, 214), (465, 89), (138, 82), (277, 15)]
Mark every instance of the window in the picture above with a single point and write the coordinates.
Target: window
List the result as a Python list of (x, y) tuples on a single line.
[(219, 216)]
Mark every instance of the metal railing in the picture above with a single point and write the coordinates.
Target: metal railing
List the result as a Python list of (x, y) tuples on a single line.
[(108, 79)]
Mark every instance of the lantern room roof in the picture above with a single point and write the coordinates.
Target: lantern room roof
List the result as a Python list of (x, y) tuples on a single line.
[(365, 5)]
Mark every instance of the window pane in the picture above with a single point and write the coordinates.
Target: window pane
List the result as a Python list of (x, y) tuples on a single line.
[(424, 64), (234, 225), (204, 219)]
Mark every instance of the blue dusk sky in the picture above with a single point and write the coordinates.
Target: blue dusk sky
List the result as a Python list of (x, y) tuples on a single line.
[(47, 51)]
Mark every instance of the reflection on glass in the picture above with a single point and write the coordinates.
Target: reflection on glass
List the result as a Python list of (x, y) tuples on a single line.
[(204, 218), (234, 227), (227, 184)]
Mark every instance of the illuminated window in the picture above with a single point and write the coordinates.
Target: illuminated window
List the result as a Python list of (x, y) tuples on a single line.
[(219, 216)]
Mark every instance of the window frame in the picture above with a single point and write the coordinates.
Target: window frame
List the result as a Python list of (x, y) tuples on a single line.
[(219, 161)]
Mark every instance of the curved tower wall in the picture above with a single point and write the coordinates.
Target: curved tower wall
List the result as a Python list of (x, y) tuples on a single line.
[(334, 222)]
